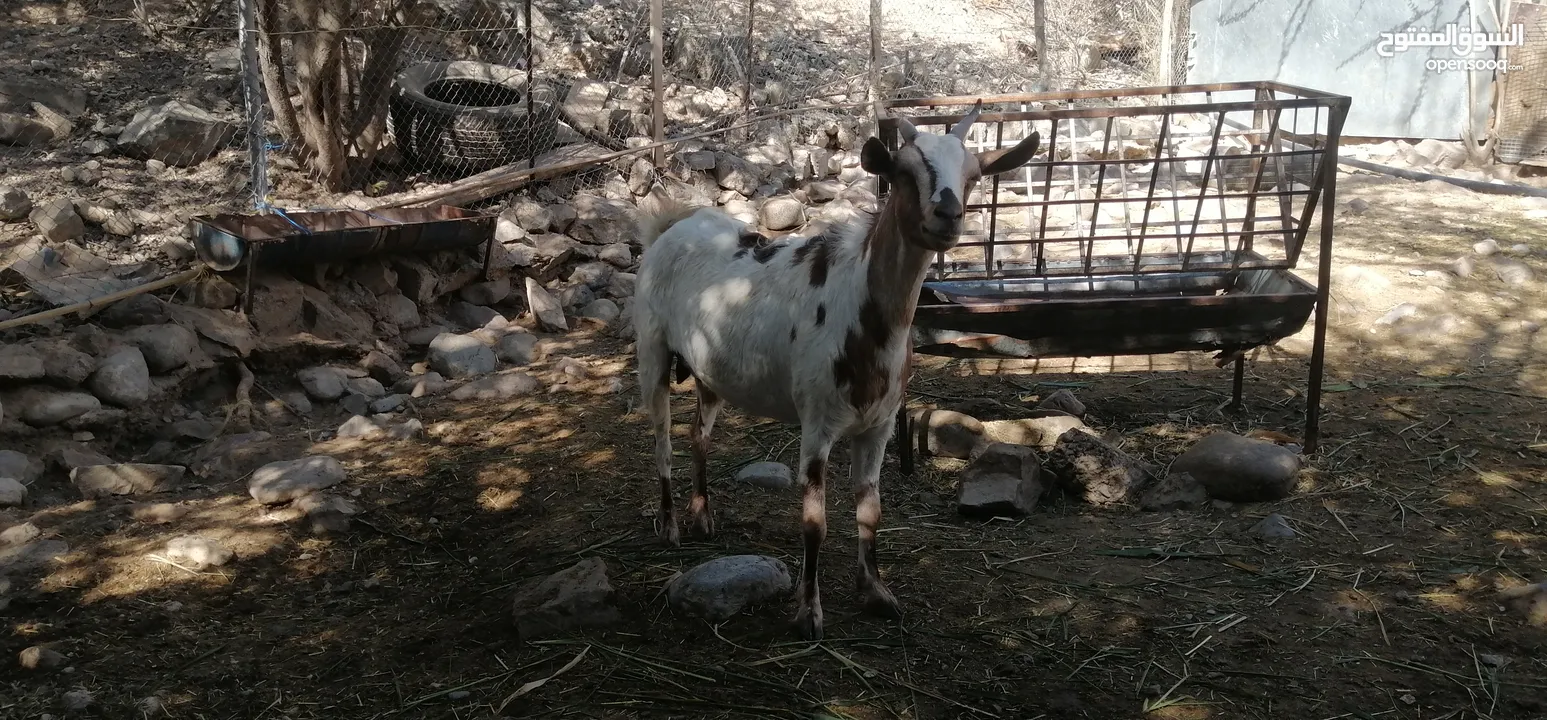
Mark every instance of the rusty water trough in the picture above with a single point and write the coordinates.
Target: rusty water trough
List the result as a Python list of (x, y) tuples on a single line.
[(1155, 220), (286, 239)]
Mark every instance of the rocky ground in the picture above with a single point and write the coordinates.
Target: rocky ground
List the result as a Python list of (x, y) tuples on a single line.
[(406, 489)]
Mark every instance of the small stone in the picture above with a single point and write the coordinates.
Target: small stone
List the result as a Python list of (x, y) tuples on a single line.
[(423, 336), (486, 293), (578, 597), (29, 556), (19, 466), (618, 254), (530, 215), (767, 474), (1178, 491), (322, 382), (287, 480), (99, 481), (39, 657), (354, 404), (1485, 247), (57, 221), (1063, 401), (423, 385), (1094, 471), (718, 589), (151, 706), (470, 316), (41, 407), (64, 365), (458, 695), (12, 492), (382, 367), (134, 311), (1003, 481), (122, 379), (359, 426), (167, 347), (824, 191), (198, 552), (21, 363), (1240, 469), (547, 310), (1397, 314), (216, 293), (1513, 272), (518, 348), (388, 404), (461, 356), (1462, 266), (369, 387), (603, 311), (157, 513), (69, 456), (502, 385), (1358, 206), (1520, 249), (76, 700), (20, 534), (14, 203), (1273, 527)]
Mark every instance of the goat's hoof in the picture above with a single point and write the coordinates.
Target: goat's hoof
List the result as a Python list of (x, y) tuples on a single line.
[(880, 602), (666, 529), (808, 623), (700, 518)]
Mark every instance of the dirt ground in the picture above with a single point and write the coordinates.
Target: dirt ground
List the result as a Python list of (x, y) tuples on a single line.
[(1427, 497)]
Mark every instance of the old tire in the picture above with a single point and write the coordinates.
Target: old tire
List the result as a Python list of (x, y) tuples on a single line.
[(464, 116)]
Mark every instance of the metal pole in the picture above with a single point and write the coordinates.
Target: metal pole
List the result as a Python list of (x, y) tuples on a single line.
[(876, 23), (657, 61), (1039, 10), (252, 97), (1329, 170)]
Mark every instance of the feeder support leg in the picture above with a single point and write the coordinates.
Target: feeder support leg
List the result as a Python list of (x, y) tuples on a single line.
[(252, 265), (1240, 377), (904, 441)]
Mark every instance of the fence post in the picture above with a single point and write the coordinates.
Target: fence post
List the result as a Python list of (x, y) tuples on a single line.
[(875, 59), (1039, 13), (657, 104), (252, 97), (746, 85), (1167, 42)]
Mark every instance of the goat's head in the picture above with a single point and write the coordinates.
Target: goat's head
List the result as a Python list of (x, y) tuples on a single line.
[(940, 170)]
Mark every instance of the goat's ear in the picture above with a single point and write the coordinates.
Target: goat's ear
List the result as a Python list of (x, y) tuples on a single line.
[(875, 158), (994, 162)]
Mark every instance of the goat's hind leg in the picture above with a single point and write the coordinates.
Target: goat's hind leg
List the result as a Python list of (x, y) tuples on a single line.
[(655, 385), (700, 514)]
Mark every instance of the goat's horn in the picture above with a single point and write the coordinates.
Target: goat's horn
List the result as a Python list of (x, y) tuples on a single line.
[(960, 129), (906, 129)]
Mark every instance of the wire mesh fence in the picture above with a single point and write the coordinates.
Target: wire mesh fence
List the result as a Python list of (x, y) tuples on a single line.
[(385, 99)]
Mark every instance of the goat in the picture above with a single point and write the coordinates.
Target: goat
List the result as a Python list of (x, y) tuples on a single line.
[(813, 331)]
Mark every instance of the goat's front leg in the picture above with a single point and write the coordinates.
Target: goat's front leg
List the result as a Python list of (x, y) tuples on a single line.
[(700, 515), (866, 452), (815, 445)]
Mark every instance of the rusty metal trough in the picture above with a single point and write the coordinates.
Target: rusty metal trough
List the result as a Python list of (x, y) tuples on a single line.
[(1156, 220)]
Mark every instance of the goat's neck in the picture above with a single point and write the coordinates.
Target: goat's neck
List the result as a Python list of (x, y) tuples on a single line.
[(895, 259)]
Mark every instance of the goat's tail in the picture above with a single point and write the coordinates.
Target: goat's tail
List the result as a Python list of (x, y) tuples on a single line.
[(654, 222)]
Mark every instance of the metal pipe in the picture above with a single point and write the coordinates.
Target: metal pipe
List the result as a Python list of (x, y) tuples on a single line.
[(252, 97), (1329, 171)]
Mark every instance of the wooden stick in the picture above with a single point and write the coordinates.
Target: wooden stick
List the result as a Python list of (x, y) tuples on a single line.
[(103, 301)]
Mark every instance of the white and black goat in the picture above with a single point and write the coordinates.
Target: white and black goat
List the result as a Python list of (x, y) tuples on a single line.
[(813, 331)]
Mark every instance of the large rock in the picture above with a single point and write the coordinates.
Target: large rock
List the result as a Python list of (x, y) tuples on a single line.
[(586, 104), (175, 133), (19, 466), (30, 556), (382, 367), (1039, 432), (138, 310), (287, 480), (783, 213), (1177, 491), (64, 365), (14, 203), (12, 492), (20, 363), (1240, 469), (197, 552), (530, 215), (461, 356), (98, 481), (69, 455), (546, 308), (122, 378), (600, 221), (518, 348), (571, 599), (22, 130), (486, 293), (40, 406), (233, 456), (397, 309), (431, 383), (503, 385), (734, 173), (57, 221), (167, 347), (1090, 469), (323, 382), (720, 588), (1003, 481), (469, 315)]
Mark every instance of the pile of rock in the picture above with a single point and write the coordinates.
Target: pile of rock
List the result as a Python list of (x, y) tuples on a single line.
[(1015, 462)]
